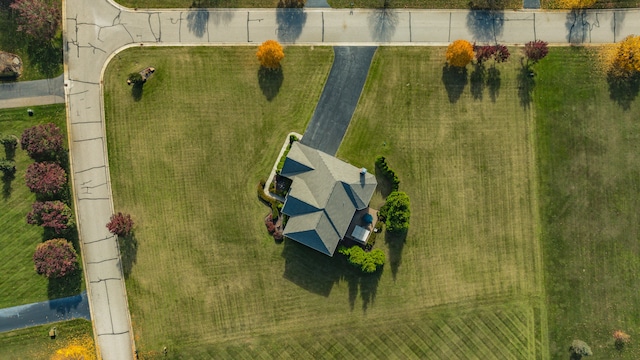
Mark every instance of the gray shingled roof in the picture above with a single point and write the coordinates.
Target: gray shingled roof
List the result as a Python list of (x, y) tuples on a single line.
[(325, 194)]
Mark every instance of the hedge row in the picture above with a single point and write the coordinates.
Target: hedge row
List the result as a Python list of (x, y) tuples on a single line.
[(388, 173), (367, 262)]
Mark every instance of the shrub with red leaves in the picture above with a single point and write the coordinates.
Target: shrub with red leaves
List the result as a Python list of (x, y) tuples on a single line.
[(42, 142), (45, 178), (37, 18), (268, 222), (535, 51), (55, 215), (120, 224), (502, 54), (484, 53), (55, 258)]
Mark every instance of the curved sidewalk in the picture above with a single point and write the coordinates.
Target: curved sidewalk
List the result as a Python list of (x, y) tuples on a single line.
[(96, 30)]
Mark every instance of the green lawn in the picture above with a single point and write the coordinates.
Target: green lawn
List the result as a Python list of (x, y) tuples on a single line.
[(19, 282), (34, 342), (38, 62), (590, 182), (185, 159)]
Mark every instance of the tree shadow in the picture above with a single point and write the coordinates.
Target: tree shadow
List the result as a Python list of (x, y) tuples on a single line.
[(384, 185), (9, 151), (65, 305), (290, 23), (66, 286), (526, 83), (454, 80), (493, 83), (221, 17), (7, 179), (616, 23), (368, 284), (578, 27), (623, 90), (382, 24), (486, 25), (477, 79), (395, 242), (128, 253), (46, 57), (270, 81), (197, 20), (136, 91)]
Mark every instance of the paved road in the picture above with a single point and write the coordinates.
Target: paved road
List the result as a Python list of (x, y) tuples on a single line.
[(32, 93), (339, 98), (46, 312), (95, 30)]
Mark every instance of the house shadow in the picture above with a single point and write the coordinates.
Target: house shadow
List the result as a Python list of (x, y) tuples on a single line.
[(197, 20), (318, 273), (454, 80), (290, 22), (395, 242), (382, 24), (270, 81), (526, 83), (623, 90), (477, 81), (486, 25), (128, 253)]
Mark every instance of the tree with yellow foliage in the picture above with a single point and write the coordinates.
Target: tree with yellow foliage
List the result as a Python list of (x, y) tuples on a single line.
[(459, 53), (270, 54), (81, 348), (626, 61), (575, 4)]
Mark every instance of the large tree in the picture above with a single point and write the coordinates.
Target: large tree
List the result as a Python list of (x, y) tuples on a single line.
[(396, 212), (270, 54), (45, 178), (55, 258), (55, 215), (42, 142), (627, 57), (459, 53), (39, 19)]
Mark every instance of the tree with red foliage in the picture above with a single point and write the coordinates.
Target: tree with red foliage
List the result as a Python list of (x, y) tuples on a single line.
[(535, 51), (120, 224), (39, 19), (55, 258), (42, 142), (45, 178), (501, 54), (55, 215), (484, 52)]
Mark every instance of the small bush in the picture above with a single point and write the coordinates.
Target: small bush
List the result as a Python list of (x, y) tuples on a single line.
[(621, 339), (578, 349), (55, 215), (45, 178), (367, 262), (388, 173), (120, 224), (55, 258), (396, 212), (8, 167), (42, 142), (10, 143), (292, 139), (262, 196), (535, 51)]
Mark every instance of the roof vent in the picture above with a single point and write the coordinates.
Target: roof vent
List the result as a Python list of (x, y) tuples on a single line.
[(363, 171)]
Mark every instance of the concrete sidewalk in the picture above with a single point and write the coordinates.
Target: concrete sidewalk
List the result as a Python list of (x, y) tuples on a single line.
[(96, 30)]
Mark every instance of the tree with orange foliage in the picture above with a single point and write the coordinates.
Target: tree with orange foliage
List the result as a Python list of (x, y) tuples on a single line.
[(459, 53), (626, 61), (270, 54)]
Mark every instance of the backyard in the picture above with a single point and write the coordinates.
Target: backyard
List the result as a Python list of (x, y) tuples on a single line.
[(190, 150)]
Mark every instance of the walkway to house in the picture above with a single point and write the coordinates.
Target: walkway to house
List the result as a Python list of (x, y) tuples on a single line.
[(45, 312), (32, 93), (96, 30), (339, 98)]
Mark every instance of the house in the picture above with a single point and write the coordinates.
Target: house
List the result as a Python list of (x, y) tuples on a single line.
[(325, 195)]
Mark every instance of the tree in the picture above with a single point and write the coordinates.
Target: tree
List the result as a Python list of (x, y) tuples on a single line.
[(501, 54), (367, 262), (120, 224), (55, 258), (291, 3), (535, 51), (270, 54), (484, 53), (627, 57), (45, 178), (575, 4), (396, 212), (42, 142), (578, 349), (55, 215), (459, 53), (135, 78), (39, 19)]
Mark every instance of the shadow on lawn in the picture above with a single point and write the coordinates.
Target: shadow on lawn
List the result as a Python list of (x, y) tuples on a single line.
[(69, 285), (7, 179), (270, 81), (526, 83), (395, 242), (454, 80), (317, 273), (128, 253), (623, 90)]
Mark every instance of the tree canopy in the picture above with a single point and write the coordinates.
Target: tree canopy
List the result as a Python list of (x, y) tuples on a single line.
[(55, 258), (270, 54), (459, 53), (396, 212)]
